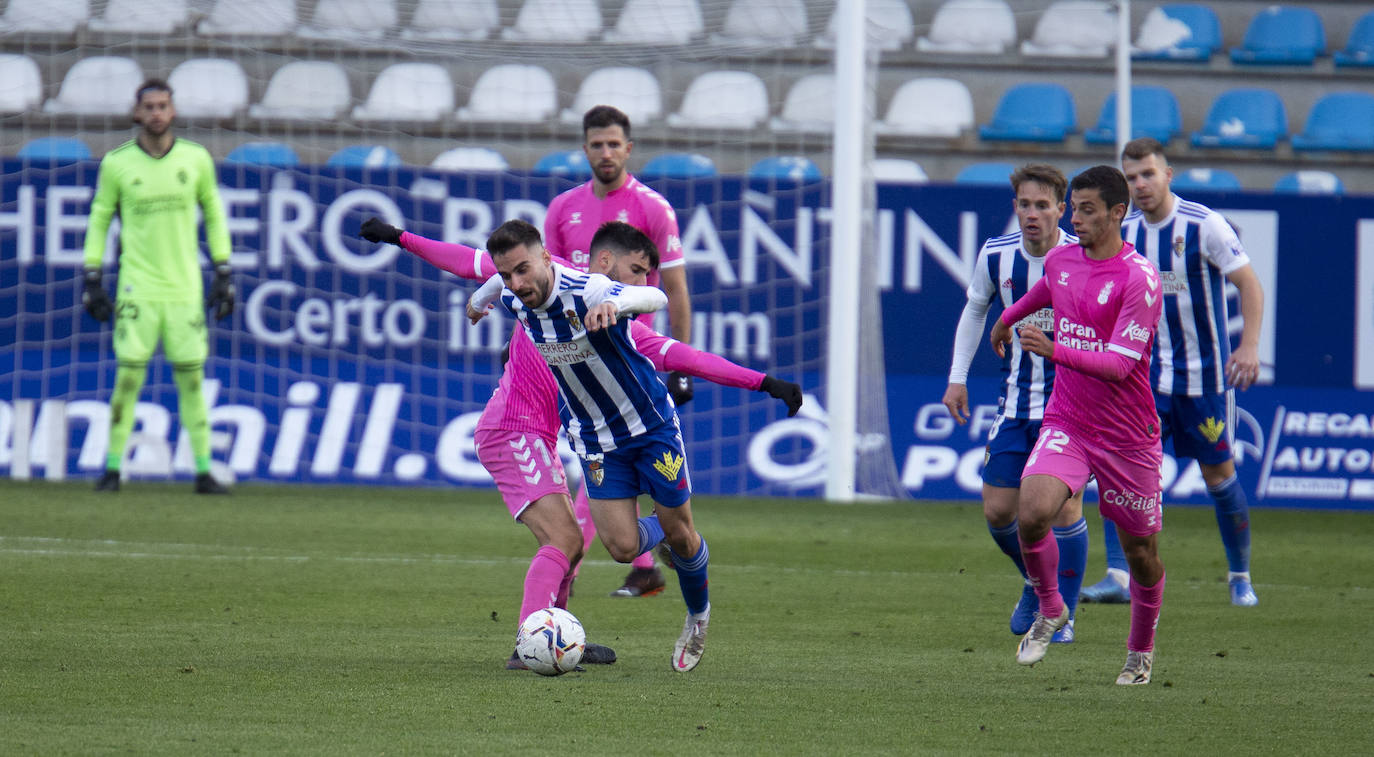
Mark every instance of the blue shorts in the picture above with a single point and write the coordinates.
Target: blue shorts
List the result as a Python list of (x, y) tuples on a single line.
[(1202, 428), (1010, 441), (653, 464)]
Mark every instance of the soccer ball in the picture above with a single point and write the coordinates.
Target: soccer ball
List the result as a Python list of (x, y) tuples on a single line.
[(551, 641)]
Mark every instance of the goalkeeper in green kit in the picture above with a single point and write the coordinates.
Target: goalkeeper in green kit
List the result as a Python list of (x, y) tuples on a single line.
[(156, 182)]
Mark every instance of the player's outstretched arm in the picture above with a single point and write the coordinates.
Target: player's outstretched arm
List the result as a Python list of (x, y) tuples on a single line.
[(458, 259), (668, 354)]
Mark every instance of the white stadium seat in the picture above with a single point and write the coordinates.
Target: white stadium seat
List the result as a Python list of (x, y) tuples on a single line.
[(723, 100), (634, 91), (408, 92), (1074, 29), (305, 90), (899, 171), (103, 85), (657, 22), (45, 16), (809, 107), (888, 25), (453, 20), (556, 21), (21, 85), (260, 18), (929, 107), (512, 92), (973, 27), (209, 88), (351, 19), (141, 17), (764, 23), (470, 159)]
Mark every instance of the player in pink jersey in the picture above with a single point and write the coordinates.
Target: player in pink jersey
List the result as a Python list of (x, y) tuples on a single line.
[(1101, 419), (517, 433), (574, 216)]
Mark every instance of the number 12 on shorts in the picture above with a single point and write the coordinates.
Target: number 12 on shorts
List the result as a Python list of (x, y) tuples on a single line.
[(1052, 439)]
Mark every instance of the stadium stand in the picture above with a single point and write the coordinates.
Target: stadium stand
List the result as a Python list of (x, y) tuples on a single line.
[(453, 20), (22, 87), (272, 154), (351, 20), (658, 22), (470, 159), (570, 163), (1215, 179), (1242, 118), (635, 91), (785, 167), (54, 150), (973, 27), (1339, 121), (1154, 113), (141, 17), (1179, 32), (100, 85), (1073, 29), (1284, 35), (1034, 112), (258, 18), (305, 90), (556, 21), (677, 165), (931, 107), (723, 100), (986, 173), (1359, 48), (209, 88), (512, 93), (408, 92), (809, 107), (764, 23), (1310, 183), (364, 156), (898, 171), (888, 25), (44, 16)]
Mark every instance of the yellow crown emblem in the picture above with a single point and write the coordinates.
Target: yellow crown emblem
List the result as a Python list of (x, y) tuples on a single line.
[(1212, 428), (669, 466)]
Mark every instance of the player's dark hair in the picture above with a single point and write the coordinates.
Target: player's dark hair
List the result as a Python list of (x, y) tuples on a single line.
[(1109, 182), (1142, 148), (510, 235), (151, 85), (602, 116), (623, 239), (1041, 174)]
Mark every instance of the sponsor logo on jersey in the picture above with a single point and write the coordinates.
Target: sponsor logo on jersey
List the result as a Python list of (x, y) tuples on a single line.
[(1179, 244), (1106, 291), (573, 320), (1063, 278), (576, 218), (1211, 429), (1130, 500), (1006, 284), (669, 466), (1135, 332)]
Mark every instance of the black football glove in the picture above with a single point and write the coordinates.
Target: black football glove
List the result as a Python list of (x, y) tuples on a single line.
[(786, 391), (221, 299), (680, 387), (94, 298), (376, 230)]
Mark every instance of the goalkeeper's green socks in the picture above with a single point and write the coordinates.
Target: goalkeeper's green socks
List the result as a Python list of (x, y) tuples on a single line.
[(128, 382), (195, 417)]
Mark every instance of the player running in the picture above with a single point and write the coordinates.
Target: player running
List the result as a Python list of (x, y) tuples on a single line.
[(1100, 420), (1007, 266), (156, 182)]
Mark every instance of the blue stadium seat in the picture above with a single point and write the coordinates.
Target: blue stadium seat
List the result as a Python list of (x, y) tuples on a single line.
[(1162, 38), (568, 163), (55, 150), (1246, 118), (1310, 183), (1359, 49), (274, 154), (1339, 121), (1285, 35), (364, 156), (1212, 179), (1154, 113), (786, 167), (998, 174), (678, 165), (1034, 113)]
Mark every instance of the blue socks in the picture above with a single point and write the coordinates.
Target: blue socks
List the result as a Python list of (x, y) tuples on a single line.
[(650, 533), (691, 576), (1073, 560), (1233, 520), (1116, 556), (1010, 543)]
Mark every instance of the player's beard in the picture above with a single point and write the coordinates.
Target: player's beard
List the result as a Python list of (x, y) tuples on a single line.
[(535, 294), (609, 174)]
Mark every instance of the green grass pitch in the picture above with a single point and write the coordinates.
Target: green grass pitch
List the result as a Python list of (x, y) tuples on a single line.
[(377, 621)]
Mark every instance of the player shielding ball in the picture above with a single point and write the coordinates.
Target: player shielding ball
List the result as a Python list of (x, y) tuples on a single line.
[(1101, 418)]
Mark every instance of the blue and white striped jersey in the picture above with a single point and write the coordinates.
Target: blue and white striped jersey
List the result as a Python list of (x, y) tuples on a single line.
[(611, 393), (1194, 249), (1004, 272)]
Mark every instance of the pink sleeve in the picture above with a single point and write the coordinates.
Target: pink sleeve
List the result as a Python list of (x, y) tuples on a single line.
[(553, 240), (1038, 297), (668, 354), (1131, 335), (458, 259), (665, 235), (1112, 366)]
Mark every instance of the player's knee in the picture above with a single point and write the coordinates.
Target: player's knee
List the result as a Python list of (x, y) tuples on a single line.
[(622, 551)]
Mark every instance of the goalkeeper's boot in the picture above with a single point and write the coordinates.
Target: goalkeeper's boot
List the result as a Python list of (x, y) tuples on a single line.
[(691, 645), (206, 484), (597, 654), (1064, 635), (1024, 613), (641, 582), (1242, 591), (1108, 591), (1036, 642), (1137, 669), (109, 481)]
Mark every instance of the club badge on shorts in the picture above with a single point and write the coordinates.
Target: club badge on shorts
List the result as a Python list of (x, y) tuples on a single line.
[(669, 466), (594, 469)]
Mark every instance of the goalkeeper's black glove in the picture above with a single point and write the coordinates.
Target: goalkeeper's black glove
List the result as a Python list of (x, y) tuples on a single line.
[(376, 230), (94, 298), (221, 299), (786, 391), (680, 387)]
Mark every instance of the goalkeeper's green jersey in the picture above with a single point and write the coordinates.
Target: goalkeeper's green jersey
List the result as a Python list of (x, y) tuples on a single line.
[(159, 258)]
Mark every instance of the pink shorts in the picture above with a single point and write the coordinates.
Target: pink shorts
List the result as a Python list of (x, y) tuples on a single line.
[(1128, 485), (525, 466)]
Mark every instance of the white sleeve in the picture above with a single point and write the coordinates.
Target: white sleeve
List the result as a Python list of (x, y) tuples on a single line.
[(487, 293), (628, 299), (1221, 245), (969, 332)]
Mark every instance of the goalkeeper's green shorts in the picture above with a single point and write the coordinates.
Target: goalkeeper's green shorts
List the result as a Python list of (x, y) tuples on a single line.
[(180, 326)]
